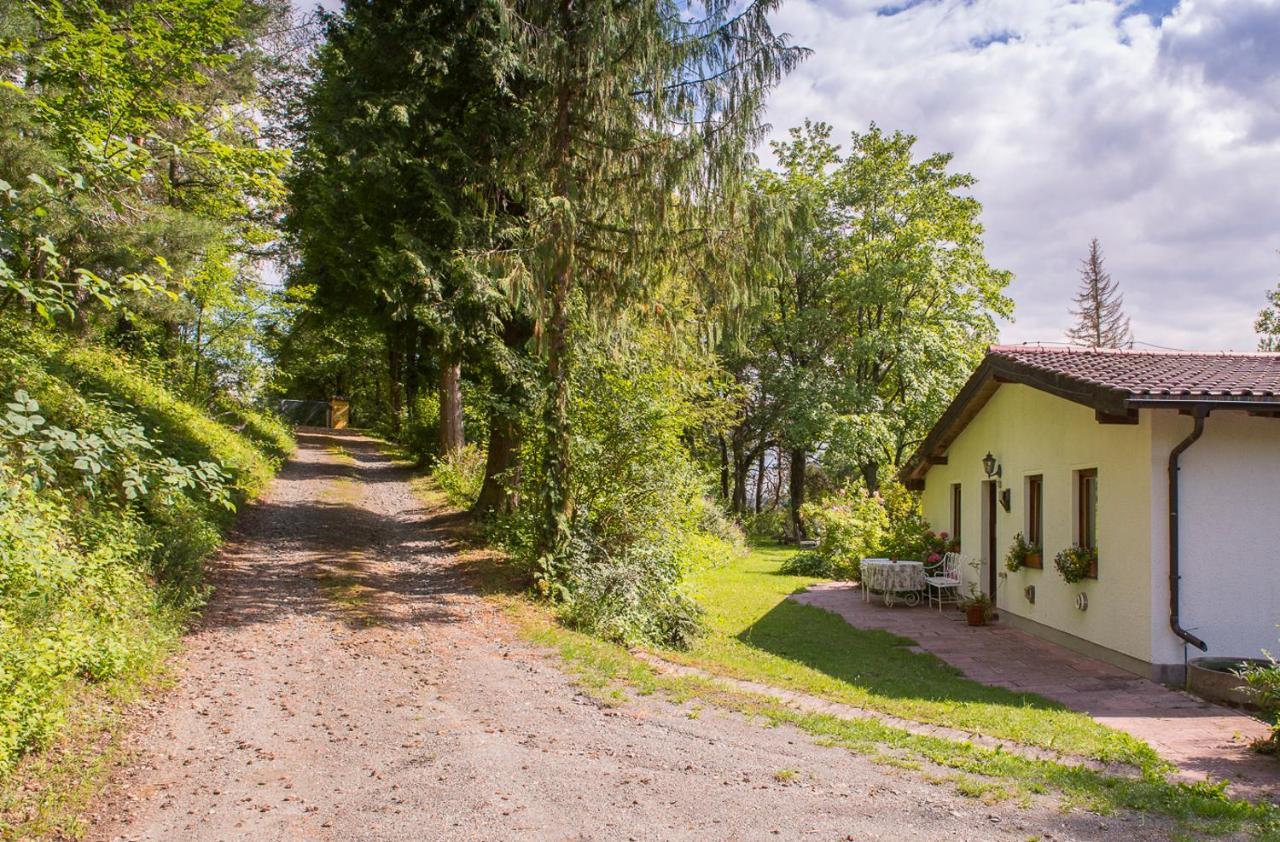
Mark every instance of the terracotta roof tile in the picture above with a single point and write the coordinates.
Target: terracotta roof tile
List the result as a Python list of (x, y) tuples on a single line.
[(1155, 374)]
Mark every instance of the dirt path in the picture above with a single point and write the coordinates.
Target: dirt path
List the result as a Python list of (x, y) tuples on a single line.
[(346, 684)]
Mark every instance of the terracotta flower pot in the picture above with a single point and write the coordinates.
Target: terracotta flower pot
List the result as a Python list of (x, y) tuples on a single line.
[(975, 615), (1035, 561)]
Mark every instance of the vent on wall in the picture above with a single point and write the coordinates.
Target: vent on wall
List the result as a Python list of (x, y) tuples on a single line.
[(1082, 601)]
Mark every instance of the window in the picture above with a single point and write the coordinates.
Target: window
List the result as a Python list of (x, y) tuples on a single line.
[(1035, 518), (955, 512), (1087, 511)]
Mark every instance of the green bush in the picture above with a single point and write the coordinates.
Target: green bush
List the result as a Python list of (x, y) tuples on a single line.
[(420, 436), (460, 475), (851, 525), (112, 494), (769, 525), (811, 563), (266, 430), (1263, 685), (640, 518)]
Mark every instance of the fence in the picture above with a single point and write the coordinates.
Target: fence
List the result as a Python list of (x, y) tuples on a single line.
[(306, 413)]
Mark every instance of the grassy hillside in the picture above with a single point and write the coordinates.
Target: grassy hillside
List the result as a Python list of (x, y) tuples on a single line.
[(113, 491)]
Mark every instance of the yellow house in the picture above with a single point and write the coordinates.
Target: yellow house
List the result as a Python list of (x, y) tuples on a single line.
[(1166, 465)]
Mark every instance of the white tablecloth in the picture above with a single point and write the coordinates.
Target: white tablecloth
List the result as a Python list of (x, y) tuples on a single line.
[(881, 574)]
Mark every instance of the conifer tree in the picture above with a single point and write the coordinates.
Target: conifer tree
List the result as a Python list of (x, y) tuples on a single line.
[(651, 112), (1100, 318)]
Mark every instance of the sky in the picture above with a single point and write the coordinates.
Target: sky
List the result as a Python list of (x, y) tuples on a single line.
[(1153, 125)]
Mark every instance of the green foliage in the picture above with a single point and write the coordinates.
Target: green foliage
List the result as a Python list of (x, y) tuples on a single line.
[(1019, 552), (1263, 685), (1075, 562), (459, 475), (768, 525), (74, 605), (909, 535), (266, 430), (1267, 325), (112, 492), (851, 525), (641, 521)]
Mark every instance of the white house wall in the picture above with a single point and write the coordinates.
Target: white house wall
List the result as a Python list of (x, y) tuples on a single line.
[(1229, 495), (1031, 432)]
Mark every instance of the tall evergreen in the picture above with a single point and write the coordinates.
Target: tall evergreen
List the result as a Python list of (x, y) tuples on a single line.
[(649, 117), (1099, 307), (399, 175)]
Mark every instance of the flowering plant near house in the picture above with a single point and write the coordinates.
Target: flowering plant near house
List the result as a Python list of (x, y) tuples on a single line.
[(1075, 563), (938, 544), (1020, 552)]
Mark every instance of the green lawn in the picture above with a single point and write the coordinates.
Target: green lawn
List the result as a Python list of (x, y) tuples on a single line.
[(758, 634)]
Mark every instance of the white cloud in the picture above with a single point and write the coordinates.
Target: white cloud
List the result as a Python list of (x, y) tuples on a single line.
[(1080, 119)]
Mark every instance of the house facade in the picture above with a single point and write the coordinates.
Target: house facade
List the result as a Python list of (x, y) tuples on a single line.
[(1073, 448)]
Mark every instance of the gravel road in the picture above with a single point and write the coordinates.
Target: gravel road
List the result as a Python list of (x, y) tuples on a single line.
[(346, 683)]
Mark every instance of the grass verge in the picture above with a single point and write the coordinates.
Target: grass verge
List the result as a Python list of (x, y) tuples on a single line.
[(757, 634), (608, 673)]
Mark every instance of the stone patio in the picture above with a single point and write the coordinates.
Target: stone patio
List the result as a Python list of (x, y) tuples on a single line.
[(1203, 740)]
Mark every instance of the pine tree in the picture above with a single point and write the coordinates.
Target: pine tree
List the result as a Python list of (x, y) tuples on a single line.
[(651, 109), (1100, 318)]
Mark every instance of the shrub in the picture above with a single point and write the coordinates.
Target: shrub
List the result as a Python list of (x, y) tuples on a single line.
[(460, 475), (264, 428), (1263, 685), (421, 433), (809, 564), (769, 525), (640, 518), (851, 525), (112, 491), (632, 599)]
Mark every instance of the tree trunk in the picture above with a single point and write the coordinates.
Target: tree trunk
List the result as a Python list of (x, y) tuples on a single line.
[(759, 502), (412, 376), (778, 482), (497, 493), (558, 490), (798, 460), (724, 467), (871, 476), (395, 383), (452, 438), (740, 466)]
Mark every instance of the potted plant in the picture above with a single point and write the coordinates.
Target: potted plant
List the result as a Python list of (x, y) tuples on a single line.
[(1021, 554), (1077, 562), (977, 607)]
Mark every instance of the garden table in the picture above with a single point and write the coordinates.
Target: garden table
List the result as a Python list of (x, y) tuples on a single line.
[(893, 578)]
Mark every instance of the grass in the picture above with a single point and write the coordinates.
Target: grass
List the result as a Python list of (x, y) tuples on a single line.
[(608, 673), (47, 795), (757, 634)]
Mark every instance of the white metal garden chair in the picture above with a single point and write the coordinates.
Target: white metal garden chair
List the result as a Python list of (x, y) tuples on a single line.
[(944, 585)]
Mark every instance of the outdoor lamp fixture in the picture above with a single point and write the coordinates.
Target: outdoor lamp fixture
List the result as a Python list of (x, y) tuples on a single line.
[(991, 466)]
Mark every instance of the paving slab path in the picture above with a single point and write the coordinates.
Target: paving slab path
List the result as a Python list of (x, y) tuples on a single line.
[(347, 683), (1203, 740)]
